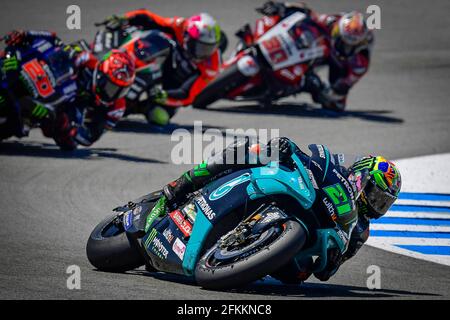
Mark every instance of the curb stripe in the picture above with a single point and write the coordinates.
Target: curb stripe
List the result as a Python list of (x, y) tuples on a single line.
[(410, 227), (400, 207), (414, 221), (410, 234), (438, 250), (424, 196)]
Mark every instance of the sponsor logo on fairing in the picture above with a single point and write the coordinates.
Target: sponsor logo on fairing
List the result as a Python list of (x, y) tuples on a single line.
[(190, 212), (159, 249), (182, 224), (127, 220), (227, 187), (313, 179), (167, 233), (204, 206), (321, 151), (179, 248)]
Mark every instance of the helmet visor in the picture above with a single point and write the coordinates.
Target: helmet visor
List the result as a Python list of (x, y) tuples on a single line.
[(378, 200), (343, 48), (107, 90), (201, 50)]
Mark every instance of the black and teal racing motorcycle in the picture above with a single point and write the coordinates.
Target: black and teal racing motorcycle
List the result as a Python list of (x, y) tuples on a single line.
[(236, 230)]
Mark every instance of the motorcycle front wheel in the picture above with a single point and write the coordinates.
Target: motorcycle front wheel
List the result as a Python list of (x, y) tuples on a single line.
[(229, 267)]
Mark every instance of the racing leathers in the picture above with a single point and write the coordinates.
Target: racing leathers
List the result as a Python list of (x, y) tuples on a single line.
[(88, 117), (347, 65), (346, 214), (184, 77)]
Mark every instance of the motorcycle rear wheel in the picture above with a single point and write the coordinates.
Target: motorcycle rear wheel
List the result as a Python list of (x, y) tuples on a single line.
[(110, 249), (219, 88)]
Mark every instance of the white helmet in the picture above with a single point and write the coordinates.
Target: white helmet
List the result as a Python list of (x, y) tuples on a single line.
[(350, 31), (202, 36)]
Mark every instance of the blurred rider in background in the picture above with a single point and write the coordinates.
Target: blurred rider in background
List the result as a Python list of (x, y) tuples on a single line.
[(198, 59), (349, 55), (95, 101)]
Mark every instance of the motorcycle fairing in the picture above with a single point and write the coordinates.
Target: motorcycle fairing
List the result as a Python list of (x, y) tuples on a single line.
[(274, 179), (160, 248), (62, 81), (235, 197), (281, 51), (261, 182)]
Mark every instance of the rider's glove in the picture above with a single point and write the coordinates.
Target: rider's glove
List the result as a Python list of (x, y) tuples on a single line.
[(160, 97), (116, 22), (281, 145), (10, 64), (15, 37), (10, 68), (271, 8), (298, 6)]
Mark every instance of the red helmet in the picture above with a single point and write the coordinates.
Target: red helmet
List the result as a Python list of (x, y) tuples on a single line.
[(113, 76)]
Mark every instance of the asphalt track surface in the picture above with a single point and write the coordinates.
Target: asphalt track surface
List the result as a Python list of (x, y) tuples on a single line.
[(50, 201)]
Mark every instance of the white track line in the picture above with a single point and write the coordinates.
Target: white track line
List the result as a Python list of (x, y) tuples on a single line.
[(409, 241), (409, 227), (425, 215), (423, 203), (445, 260)]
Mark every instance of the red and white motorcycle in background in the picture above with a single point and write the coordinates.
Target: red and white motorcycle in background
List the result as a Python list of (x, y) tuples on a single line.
[(269, 63)]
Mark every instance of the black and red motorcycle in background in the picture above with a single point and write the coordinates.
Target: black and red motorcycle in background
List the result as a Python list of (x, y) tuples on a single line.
[(270, 62)]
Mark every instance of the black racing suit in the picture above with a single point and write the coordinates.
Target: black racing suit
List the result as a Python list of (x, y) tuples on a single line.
[(354, 224)]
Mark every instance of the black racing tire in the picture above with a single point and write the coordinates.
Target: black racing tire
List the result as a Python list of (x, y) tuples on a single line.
[(257, 265), (228, 80), (112, 253), (223, 45)]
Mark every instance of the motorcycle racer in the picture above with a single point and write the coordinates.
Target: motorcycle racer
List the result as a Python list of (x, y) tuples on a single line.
[(198, 59), (349, 55), (366, 190), (101, 104), (94, 103), (18, 88)]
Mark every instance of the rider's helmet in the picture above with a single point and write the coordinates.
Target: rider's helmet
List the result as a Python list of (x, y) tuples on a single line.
[(202, 36), (349, 32), (113, 76), (380, 183)]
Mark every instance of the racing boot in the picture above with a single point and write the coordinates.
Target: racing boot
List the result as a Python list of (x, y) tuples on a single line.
[(178, 190), (174, 194)]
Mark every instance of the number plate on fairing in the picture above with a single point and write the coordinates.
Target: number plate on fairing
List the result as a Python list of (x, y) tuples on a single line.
[(279, 48)]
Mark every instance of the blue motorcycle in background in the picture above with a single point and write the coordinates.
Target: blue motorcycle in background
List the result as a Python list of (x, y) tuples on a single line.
[(45, 81), (235, 230)]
